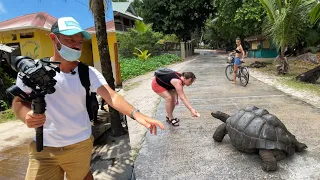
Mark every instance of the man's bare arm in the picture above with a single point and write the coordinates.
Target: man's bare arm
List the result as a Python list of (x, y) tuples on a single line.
[(20, 108)]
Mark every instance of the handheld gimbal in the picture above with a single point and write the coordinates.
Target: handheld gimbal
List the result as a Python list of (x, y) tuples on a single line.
[(39, 76)]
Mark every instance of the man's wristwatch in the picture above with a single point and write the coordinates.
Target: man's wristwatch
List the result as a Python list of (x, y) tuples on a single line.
[(132, 113)]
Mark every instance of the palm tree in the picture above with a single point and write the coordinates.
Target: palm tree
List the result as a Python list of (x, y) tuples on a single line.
[(98, 7), (285, 24), (315, 13)]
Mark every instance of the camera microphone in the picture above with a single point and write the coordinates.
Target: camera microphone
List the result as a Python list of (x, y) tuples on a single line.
[(72, 72)]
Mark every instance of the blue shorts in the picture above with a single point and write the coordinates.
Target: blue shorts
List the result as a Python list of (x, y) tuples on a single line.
[(237, 61)]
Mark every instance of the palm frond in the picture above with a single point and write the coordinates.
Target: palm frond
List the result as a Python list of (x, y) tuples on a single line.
[(315, 13), (268, 6), (288, 20)]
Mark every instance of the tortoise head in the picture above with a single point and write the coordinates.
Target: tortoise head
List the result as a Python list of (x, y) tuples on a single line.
[(220, 115)]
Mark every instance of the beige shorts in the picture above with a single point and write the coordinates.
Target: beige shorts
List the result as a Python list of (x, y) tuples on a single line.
[(52, 162)]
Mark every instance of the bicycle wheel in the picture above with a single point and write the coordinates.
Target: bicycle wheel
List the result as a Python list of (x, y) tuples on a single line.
[(244, 77), (229, 72), (245, 71)]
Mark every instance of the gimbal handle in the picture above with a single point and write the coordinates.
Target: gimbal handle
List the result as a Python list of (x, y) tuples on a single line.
[(39, 107)]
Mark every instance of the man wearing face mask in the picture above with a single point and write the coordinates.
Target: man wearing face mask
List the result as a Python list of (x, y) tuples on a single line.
[(67, 138)]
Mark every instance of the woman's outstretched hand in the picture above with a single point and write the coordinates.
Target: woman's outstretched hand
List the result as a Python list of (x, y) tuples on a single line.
[(194, 113)]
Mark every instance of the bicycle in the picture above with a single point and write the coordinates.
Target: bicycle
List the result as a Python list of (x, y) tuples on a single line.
[(242, 73)]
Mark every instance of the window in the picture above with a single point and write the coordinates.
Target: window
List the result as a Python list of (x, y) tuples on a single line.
[(26, 35), (14, 37)]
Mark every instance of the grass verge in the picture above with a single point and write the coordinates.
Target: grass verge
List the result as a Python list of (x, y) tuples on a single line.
[(296, 67), (132, 67), (6, 116)]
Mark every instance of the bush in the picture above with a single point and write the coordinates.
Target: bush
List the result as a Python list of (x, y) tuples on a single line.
[(311, 49), (132, 67), (144, 38), (5, 99), (144, 41), (7, 115)]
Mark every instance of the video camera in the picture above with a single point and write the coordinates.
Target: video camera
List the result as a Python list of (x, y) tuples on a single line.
[(39, 76)]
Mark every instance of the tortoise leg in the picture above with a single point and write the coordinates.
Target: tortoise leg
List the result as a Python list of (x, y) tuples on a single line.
[(220, 132), (269, 160), (279, 154), (298, 145)]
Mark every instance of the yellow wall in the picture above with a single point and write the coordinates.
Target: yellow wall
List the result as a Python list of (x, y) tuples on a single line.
[(40, 45), (255, 44), (266, 44), (112, 39), (28, 46), (46, 44), (5, 37), (86, 54)]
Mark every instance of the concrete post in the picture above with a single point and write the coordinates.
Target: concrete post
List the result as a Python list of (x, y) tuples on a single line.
[(183, 50)]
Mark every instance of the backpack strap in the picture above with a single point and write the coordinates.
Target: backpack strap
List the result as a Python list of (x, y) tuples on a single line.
[(176, 73), (83, 70)]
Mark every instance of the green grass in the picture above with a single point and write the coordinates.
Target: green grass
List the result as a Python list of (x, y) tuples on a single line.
[(301, 86), (132, 67), (296, 67), (6, 116)]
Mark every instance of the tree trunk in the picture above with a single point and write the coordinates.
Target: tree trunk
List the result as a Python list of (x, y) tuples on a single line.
[(101, 34), (310, 76)]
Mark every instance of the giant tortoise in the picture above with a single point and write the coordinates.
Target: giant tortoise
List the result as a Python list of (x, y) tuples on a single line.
[(255, 130)]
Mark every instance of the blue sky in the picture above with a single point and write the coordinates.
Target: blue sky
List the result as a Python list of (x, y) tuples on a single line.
[(77, 9)]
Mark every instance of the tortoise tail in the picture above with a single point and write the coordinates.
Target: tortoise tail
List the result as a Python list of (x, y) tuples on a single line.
[(220, 115)]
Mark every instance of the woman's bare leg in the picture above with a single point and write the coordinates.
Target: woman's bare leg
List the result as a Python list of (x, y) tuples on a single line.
[(235, 68), (169, 105), (174, 96)]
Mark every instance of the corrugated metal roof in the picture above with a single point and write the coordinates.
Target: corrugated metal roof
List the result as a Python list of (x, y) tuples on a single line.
[(6, 48), (122, 7), (118, 7), (36, 20), (255, 38)]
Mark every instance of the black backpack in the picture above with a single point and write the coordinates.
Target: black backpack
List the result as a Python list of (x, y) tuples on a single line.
[(163, 71), (91, 98)]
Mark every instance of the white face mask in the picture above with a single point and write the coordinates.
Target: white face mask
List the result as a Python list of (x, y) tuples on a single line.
[(68, 54)]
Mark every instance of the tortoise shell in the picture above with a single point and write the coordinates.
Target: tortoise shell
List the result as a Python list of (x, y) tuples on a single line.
[(252, 128)]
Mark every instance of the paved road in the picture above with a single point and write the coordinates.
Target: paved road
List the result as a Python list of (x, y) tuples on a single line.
[(189, 152)]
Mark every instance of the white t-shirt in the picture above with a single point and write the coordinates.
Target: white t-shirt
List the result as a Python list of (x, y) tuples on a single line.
[(67, 120)]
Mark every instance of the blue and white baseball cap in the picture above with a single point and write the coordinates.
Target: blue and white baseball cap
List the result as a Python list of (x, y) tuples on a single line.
[(68, 26)]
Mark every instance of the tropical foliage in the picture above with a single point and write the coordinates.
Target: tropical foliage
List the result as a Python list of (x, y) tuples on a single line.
[(5, 82), (142, 55), (233, 18), (286, 21), (315, 13), (143, 37), (177, 17)]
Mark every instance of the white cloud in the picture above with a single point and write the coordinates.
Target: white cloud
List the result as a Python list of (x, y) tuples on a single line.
[(2, 8)]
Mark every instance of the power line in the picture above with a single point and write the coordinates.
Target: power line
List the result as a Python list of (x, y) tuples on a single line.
[(81, 3)]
